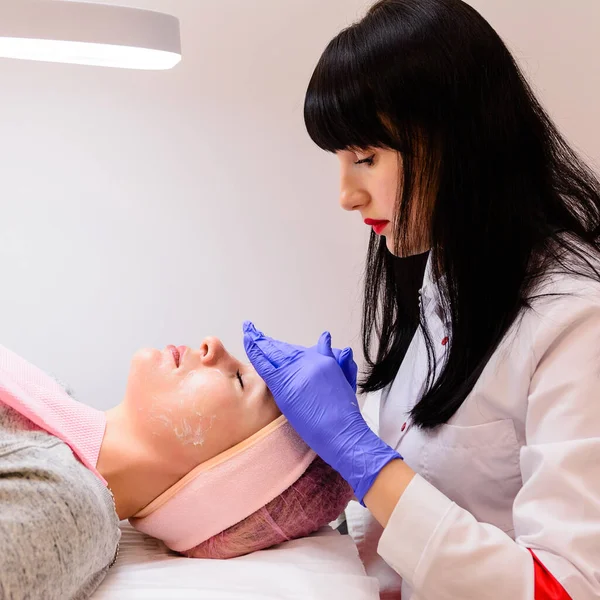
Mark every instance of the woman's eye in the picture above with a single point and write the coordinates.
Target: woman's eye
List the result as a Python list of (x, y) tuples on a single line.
[(239, 376), (366, 161)]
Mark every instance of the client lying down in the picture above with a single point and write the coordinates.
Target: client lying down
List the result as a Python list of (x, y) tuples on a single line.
[(197, 454)]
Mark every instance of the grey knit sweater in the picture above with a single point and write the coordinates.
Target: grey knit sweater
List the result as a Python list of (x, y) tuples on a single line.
[(58, 527)]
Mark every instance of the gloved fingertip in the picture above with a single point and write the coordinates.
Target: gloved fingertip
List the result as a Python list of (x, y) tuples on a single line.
[(324, 345), (250, 329), (347, 353), (248, 326)]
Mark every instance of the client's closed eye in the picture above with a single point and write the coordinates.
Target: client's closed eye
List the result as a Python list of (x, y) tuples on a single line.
[(239, 376)]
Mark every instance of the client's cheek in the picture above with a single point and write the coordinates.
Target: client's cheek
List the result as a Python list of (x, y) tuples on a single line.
[(266, 408), (272, 411), (193, 431), (189, 413)]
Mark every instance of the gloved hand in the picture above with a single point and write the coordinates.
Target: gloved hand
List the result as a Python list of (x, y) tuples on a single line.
[(312, 391), (344, 358)]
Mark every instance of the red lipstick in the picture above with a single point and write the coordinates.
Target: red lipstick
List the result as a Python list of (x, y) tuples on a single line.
[(378, 226)]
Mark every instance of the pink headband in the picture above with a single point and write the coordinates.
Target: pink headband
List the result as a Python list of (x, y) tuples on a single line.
[(226, 489)]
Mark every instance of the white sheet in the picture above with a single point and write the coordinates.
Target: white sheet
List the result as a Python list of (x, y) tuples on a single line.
[(320, 567)]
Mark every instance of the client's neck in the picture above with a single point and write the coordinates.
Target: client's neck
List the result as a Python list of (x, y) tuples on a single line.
[(131, 468)]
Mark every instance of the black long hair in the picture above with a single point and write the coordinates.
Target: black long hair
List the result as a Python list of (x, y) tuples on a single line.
[(432, 80)]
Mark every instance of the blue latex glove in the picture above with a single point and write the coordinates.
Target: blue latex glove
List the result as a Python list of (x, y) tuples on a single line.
[(344, 358), (312, 391)]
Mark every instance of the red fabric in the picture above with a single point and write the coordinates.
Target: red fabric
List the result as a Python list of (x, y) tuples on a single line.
[(546, 586)]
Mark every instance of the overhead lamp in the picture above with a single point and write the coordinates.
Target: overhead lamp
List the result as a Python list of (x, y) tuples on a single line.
[(88, 33)]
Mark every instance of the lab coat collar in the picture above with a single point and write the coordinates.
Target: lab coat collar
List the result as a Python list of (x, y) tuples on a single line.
[(428, 280), (430, 294)]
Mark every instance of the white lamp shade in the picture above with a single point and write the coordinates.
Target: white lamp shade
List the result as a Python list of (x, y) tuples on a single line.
[(89, 34)]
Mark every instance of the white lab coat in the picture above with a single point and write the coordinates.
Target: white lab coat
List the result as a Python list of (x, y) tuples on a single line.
[(516, 468)]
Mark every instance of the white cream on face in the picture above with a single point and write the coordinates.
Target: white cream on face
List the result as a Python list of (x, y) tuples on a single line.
[(188, 433), (186, 418)]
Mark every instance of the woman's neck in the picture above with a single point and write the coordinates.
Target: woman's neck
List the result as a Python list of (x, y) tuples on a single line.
[(134, 472)]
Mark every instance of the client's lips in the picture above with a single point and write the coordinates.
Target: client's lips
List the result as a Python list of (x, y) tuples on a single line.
[(175, 353), (377, 225), (182, 350)]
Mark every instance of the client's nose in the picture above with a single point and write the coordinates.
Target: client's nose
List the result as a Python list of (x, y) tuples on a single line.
[(212, 350)]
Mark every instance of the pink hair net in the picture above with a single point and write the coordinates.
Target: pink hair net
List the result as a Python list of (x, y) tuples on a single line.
[(315, 499)]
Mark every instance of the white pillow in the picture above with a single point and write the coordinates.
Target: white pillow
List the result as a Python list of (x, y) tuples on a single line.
[(323, 566)]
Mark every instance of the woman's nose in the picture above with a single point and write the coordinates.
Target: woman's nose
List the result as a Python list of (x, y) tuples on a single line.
[(353, 200), (352, 196), (212, 350)]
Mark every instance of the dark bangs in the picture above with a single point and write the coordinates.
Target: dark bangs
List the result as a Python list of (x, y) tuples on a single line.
[(341, 110)]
